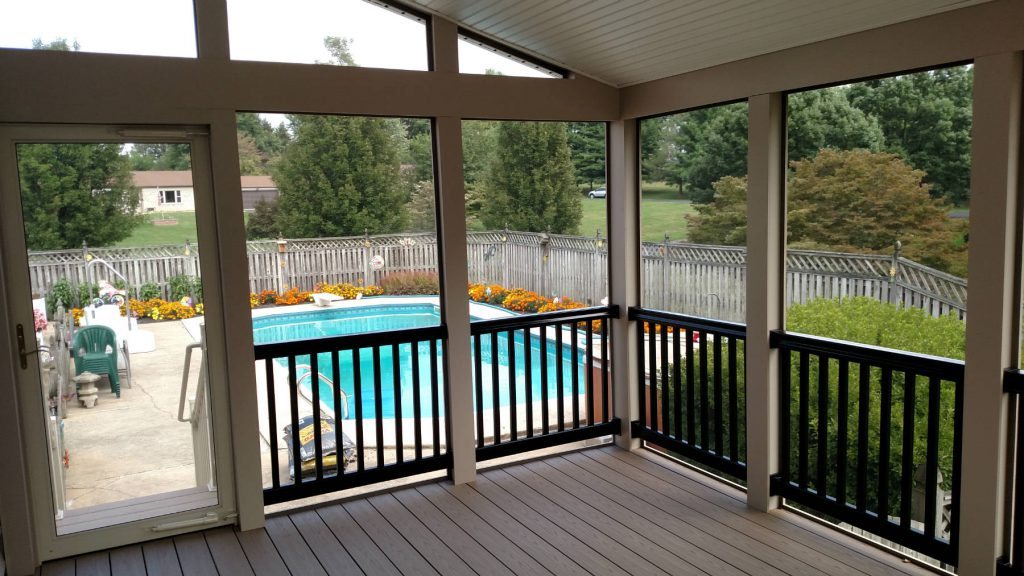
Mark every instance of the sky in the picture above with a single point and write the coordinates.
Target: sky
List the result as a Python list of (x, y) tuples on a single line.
[(267, 30)]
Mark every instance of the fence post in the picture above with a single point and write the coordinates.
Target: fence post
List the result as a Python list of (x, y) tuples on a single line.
[(282, 247), (597, 284), (190, 265), (545, 248), (504, 257), (894, 272), (366, 257), (664, 273), (86, 275)]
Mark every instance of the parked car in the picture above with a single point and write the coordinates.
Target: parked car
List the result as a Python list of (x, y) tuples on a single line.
[(599, 193)]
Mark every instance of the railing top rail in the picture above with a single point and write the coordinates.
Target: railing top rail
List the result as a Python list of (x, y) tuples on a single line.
[(723, 327), (921, 364), (544, 319), (349, 342)]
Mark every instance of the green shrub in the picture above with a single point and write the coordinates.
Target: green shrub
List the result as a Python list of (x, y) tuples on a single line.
[(182, 285), (149, 291), (86, 292), (60, 293)]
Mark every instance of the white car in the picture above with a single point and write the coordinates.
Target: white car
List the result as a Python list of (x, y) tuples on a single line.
[(599, 193)]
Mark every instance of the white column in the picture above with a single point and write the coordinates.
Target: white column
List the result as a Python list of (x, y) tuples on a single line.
[(623, 202), (766, 246), (991, 338)]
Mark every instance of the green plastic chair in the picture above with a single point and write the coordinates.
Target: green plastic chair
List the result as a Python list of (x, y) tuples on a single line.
[(95, 350)]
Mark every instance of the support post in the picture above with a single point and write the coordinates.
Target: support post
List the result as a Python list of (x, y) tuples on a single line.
[(623, 201), (766, 258), (454, 271), (994, 309)]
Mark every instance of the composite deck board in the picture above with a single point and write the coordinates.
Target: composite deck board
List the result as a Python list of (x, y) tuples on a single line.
[(194, 555), (440, 556), (127, 561), (261, 552), (599, 511), (681, 518), (332, 555), (475, 555), (95, 564), (294, 551), (370, 558), (390, 541), (227, 553), (161, 558)]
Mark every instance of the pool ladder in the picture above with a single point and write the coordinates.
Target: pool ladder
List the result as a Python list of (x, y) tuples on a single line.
[(308, 374)]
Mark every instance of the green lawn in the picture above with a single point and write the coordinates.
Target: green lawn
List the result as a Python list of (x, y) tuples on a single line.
[(149, 234), (656, 218)]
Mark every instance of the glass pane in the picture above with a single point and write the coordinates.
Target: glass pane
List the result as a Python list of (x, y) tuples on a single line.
[(114, 265), (693, 212), (345, 32), (153, 28), (479, 58)]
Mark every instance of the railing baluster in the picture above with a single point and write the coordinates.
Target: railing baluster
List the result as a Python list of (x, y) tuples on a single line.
[(357, 383), (863, 414), (495, 391), (785, 414), (275, 464), (677, 381), (528, 371), (821, 482), (544, 396), (435, 398), (733, 404), (339, 413), (417, 406), (293, 394), (932, 457), (479, 389), (803, 419), (842, 440), (314, 386), (513, 421), (691, 392), (652, 377), (606, 391), (378, 406), (958, 439), (716, 349), (560, 377), (396, 381), (704, 409), (884, 435), (909, 412), (664, 380), (574, 345), (589, 372)]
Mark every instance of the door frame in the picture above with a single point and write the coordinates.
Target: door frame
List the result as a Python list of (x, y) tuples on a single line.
[(35, 494)]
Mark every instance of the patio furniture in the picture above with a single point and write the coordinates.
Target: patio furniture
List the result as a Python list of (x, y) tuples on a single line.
[(95, 350)]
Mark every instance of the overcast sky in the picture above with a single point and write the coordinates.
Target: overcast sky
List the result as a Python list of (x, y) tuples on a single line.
[(270, 30)]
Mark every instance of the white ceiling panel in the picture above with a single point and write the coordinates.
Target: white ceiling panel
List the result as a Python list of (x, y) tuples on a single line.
[(625, 42)]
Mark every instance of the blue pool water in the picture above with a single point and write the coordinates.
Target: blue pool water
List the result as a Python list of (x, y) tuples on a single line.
[(390, 317)]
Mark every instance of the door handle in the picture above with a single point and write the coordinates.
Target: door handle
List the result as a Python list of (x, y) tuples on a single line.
[(23, 353)]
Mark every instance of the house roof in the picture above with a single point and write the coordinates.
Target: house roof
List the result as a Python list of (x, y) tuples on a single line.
[(626, 42), (162, 178), (170, 178)]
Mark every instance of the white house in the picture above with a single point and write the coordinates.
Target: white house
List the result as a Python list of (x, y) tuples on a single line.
[(172, 191)]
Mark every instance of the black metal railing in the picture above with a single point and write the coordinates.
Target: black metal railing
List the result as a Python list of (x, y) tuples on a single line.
[(1013, 561), (692, 388), (356, 410), (871, 437), (541, 380)]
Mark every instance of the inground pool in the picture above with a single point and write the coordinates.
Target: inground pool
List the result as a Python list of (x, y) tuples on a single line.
[(372, 317)]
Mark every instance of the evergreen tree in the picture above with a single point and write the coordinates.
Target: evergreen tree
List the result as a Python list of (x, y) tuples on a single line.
[(74, 193), (587, 145), (531, 185), (160, 157)]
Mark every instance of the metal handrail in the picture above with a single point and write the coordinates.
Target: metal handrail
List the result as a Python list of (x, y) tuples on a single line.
[(184, 382), (309, 375)]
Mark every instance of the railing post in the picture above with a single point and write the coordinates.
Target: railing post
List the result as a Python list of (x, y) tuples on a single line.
[(991, 331), (623, 202), (766, 257), (664, 273)]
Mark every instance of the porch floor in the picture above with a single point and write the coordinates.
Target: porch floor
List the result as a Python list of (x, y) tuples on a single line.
[(598, 511)]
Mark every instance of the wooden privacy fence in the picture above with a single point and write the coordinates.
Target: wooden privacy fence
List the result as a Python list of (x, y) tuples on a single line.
[(691, 279)]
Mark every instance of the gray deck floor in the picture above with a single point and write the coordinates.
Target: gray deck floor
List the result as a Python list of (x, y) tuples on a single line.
[(598, 511)]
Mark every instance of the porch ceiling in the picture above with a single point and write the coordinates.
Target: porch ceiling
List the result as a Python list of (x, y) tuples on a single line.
[(625, 42)]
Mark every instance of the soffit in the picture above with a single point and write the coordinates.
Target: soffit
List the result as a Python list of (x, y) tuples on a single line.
[(626, 42)]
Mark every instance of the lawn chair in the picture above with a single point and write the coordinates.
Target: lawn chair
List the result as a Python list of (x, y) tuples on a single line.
[(95, 350)]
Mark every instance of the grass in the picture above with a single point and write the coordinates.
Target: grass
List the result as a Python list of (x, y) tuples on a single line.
[(657, 216), (149, 234)]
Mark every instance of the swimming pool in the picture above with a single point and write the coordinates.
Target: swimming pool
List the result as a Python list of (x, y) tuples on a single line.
[(313, 324)]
